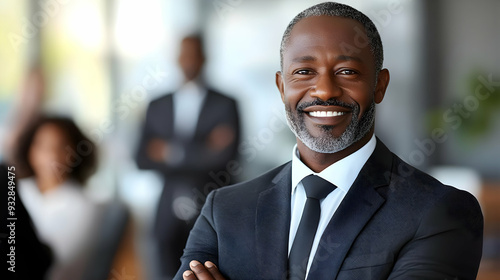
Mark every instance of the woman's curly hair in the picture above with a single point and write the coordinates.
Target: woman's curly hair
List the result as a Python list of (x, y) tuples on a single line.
[(78, 143)]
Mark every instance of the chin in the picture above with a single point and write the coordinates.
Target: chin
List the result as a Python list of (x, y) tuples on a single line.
[(327, 131)]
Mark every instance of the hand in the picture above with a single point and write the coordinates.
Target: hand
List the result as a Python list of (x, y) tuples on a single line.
[(157, 149), (221, 137), (200, 272)]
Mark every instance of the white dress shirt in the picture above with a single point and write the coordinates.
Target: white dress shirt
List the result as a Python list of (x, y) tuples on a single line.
[(342, 174), (64, 219), (188, 101)]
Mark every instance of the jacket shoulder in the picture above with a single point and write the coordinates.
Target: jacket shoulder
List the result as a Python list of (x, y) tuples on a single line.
[(220, 97), (161, 99), (422, 191), (408, 187), (250, 189), (159, 103), (406, 176)]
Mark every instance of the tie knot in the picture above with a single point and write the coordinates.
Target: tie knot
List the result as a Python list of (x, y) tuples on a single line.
[(317, 187)]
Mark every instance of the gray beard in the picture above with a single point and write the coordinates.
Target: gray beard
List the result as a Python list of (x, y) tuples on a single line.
[(326, 143)]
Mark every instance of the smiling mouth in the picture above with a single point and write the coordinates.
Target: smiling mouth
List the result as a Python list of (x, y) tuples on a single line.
[(325, 114)]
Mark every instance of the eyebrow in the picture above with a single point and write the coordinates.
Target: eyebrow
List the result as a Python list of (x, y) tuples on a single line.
[(347, 57), (308, 58), (305, 58)]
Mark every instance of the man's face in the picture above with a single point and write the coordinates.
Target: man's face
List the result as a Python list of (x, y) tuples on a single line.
[(191, 58), (328, 84)]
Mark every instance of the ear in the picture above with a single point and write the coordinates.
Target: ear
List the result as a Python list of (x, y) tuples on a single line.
[(281, 85), (382, 83)]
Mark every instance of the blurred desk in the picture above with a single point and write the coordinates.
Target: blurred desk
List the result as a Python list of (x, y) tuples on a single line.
[(490, 204), (126, 264)]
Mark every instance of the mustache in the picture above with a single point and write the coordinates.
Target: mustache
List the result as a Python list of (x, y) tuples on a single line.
[(330, 102)]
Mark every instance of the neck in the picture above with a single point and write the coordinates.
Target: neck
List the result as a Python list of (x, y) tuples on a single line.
[(47, 184), (317, 162), (195, 80)]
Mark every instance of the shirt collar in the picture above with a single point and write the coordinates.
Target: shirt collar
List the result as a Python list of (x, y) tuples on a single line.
[(193, 88), (342, 173)]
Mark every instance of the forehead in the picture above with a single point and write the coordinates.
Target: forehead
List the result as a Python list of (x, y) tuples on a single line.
[(50, 130), (191, 42), (328, 35)]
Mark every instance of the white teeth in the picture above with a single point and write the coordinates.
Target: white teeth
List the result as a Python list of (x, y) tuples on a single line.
[(323, 114)]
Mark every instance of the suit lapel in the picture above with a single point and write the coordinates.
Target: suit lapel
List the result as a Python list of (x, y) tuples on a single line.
[(359, 205), (204, 115), (272, 226), (168, 118)]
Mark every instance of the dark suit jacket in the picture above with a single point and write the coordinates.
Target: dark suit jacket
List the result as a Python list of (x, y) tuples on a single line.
[(394, 223), (217, 109)]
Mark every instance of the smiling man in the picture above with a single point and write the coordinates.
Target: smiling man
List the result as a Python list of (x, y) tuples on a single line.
[(345, 207)]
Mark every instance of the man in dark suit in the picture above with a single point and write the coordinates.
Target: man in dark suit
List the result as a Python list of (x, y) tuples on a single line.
[(189, 137), (345, 207)]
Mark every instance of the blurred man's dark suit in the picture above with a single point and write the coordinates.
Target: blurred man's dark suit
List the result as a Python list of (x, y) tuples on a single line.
[(194, 175), (394, 223)]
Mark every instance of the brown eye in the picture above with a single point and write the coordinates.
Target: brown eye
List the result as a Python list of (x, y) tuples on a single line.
[(303, 72), (347, 72)]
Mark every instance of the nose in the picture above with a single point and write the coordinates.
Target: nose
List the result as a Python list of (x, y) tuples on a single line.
[(326, 87)]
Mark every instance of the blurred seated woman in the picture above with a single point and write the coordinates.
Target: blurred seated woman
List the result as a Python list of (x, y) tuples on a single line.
[(55, 160)]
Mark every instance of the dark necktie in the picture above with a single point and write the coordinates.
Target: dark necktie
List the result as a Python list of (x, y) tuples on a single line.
[(316, 189)]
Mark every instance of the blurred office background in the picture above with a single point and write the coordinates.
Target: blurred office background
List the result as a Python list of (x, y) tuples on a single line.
[(441, 112)]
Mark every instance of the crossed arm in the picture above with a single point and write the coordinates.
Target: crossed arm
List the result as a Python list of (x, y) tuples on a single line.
[(447, 244), (199, 154), (208, 271)]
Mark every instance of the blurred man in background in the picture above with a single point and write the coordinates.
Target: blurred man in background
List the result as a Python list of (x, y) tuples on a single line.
[(188, 136)]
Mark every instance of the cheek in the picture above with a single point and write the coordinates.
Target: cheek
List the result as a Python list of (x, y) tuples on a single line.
[(363, 96), (38, 158), (32, 157), (41, 157), (60, 155), (294, 94)]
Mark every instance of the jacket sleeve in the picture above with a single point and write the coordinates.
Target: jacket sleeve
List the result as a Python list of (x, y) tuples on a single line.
[(202, 244), (447, 244), (147, 134), (196, 155)]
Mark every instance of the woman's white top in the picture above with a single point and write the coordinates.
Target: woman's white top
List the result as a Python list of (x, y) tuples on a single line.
[(64, 219)]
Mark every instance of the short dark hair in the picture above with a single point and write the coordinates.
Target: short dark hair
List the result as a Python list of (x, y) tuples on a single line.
[(198, 37), (334, 9), (78, 142)]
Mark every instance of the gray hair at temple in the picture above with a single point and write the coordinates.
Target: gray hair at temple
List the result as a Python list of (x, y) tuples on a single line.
[(334, 9)]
